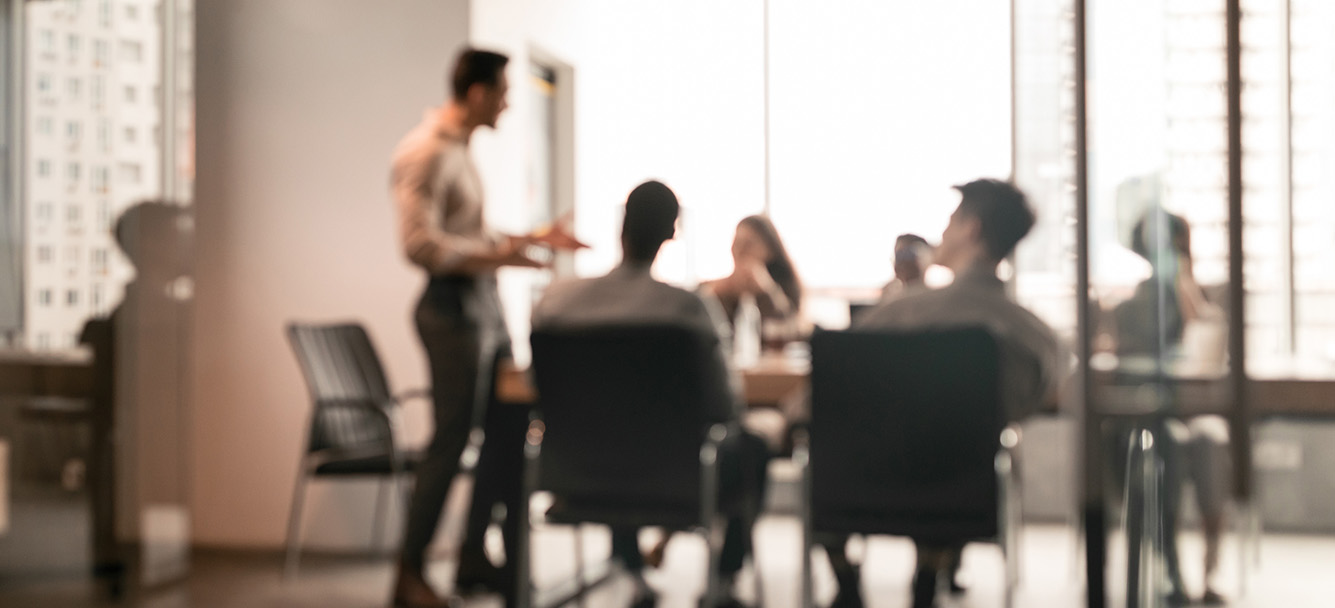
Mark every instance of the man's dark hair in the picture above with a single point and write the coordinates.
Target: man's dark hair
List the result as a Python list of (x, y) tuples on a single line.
[(1004, 216), (476, 66), (651, 217), (909, 239)]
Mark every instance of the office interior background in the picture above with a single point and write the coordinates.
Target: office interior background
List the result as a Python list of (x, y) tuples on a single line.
[(271, 124)]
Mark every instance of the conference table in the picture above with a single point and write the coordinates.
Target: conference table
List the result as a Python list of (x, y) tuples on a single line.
[(773, 377), (1281, 387), (26, 373)]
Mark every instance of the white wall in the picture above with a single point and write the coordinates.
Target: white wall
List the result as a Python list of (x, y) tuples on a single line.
[(663, 90), (878, 109), (300, 104)]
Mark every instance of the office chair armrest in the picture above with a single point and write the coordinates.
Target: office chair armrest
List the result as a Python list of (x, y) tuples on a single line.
[(411, 394), (1008, 442)]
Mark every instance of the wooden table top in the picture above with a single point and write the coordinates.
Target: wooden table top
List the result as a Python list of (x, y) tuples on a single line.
[(766, 382), (1276, 389), (46, 373)]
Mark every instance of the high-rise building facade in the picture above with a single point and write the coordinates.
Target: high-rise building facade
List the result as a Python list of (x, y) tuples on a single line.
[(92, 134)]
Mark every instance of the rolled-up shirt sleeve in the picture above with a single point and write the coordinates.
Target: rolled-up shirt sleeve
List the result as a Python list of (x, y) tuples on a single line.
[(421, 178)]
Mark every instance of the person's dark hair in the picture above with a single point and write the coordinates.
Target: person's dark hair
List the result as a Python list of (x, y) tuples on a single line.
[(1003, 214), (779, 266), (906, 245), (908, 239), (145, 221), (651, 218), (476, 66), (1147, 240)]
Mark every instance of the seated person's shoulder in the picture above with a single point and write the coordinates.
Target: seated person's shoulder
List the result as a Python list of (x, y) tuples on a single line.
[(901, 309)]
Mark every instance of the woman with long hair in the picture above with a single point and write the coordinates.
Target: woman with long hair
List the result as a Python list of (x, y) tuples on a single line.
[(761, 268)]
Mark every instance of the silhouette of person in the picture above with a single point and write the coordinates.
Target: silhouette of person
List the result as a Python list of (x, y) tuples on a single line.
[(132, 374)]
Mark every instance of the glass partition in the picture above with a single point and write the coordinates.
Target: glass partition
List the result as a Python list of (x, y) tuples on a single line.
[(1199, 227), (95, 288)]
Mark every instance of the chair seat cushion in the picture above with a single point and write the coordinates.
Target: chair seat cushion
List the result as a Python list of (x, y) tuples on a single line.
[(377, 464)]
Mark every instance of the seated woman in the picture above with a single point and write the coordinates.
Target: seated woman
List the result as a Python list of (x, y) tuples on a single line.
[(761, 269), (1150, 334)]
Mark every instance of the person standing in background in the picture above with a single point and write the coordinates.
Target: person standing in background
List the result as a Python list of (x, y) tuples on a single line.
[(438, 197)]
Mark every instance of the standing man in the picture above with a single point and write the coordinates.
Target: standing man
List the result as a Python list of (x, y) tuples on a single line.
[(438, 196)]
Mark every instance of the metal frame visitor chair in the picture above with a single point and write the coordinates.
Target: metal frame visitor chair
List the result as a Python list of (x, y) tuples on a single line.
[(353, 420)]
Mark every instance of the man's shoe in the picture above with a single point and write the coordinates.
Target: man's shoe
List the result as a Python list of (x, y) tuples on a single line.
[(848, 597), (1178, 598), (413, 592), (924, 588), (480, 577), (1213, 598)]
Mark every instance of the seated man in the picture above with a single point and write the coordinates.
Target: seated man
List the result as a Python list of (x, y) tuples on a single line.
[(913, 256), (991, 219), (630, 295)]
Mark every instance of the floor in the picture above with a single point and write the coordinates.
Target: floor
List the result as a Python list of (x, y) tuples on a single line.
[(1295, 572)]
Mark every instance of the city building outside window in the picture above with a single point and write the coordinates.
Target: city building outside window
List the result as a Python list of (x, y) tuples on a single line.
[(131, 173), (72, 297), (97, 90), (100, 179), (104, 135), (44, 254), (132, 51), (43, 168)]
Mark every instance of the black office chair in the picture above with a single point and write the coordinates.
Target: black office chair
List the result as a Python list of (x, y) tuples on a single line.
[(623, 434), (353, 420), (906, 439)]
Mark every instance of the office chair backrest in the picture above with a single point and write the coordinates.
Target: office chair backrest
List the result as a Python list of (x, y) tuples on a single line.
[(904, 429), (624, 410), (347, 385)]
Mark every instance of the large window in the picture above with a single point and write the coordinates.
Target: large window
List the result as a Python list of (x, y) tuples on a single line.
[(47, 120), (877, 109)]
